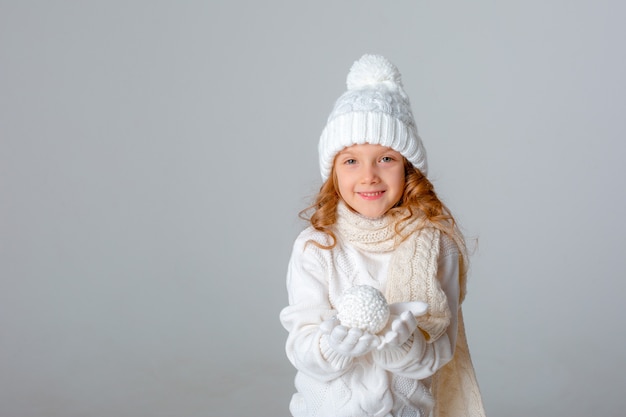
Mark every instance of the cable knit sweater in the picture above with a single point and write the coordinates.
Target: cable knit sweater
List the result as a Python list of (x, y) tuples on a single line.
[(392, 382)]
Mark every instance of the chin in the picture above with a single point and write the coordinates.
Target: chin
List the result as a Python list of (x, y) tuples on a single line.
[(373, 214)]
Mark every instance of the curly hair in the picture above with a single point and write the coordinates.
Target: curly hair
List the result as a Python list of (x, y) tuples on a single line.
[(419, 198)]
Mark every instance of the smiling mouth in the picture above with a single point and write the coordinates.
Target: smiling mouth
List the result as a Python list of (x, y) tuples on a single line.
[(371, 196)]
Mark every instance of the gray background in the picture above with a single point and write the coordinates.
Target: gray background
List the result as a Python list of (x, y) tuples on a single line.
[(154, 156)]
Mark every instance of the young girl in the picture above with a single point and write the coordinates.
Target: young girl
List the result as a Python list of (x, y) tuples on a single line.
[(378, 222)]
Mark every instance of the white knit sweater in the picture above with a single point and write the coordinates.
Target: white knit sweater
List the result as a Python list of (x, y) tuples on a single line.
[(392, 382)]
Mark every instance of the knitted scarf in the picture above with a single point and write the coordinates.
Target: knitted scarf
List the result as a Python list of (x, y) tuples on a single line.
[(412, 273), (412, 276)]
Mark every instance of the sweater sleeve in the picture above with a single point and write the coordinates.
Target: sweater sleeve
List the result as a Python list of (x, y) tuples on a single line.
[(309, 305), (418, 358)]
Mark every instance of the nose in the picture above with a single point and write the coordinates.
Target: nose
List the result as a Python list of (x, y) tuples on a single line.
[(370, 174)]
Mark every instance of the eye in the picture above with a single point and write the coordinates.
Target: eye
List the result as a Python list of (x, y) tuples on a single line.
[(386, 159), (350, 161)]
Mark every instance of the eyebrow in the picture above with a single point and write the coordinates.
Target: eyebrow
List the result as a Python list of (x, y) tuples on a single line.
[(348, 152)]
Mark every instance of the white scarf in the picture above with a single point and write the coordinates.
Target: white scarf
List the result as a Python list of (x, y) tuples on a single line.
[(412, 276)]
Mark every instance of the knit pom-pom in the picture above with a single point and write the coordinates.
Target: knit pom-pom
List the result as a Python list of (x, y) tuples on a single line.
[(363, 307), (371, 70)]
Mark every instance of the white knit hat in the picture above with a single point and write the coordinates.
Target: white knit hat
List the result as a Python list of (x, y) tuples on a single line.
[(374, 110)]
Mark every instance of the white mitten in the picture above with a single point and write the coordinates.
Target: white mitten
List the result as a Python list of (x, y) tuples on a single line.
[(402, 322), (400, 330), (348, 341)]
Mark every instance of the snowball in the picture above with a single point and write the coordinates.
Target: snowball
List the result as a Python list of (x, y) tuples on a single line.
[(363, 307)]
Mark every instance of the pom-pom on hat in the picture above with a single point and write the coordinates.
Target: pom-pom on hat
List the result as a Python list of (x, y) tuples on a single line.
[(374, 110)]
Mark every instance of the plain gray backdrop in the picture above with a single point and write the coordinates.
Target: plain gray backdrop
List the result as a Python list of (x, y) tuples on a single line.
[(154, 156)]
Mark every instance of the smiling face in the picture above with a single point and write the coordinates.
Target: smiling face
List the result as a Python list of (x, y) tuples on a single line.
[(370, 178)]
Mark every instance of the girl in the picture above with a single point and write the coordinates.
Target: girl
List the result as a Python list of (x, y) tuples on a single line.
[(378, 222)]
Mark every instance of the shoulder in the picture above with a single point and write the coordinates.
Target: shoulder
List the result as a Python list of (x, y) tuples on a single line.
[(433, 232), (447, 246), (307, 255), (308, 237)]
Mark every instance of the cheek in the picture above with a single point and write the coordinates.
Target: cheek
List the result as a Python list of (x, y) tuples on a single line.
[(395, 177), (343, 186), (399, 184)]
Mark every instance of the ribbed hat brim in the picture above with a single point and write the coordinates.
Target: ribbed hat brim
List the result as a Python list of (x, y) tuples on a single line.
[(376, 128)]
